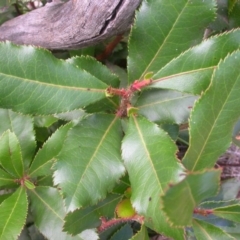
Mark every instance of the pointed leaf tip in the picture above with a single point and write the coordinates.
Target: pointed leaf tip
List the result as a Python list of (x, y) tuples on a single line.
[(164, 29), (214, 116)]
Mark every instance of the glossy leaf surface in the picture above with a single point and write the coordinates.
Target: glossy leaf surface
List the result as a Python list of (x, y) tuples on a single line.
[(102, 73), (214, 116), (33, 81), (149, 156), (164, 106), (43, 160), (96, 69), (188, 194), (22, 126), (191, 72), (91, 154), (10, 154), (204, 230), (48, 210), (164, 29), (13, 212), (89, 217)]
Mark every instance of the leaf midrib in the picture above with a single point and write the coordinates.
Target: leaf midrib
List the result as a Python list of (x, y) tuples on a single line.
[(92, 158), (11, 212), (147, 153), (165, 39), (213, 125), (87, 89), (161, 102)]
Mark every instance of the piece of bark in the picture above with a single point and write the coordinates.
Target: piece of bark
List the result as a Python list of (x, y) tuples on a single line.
[(70, 25)]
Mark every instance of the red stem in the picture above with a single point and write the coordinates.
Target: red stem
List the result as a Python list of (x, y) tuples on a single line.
[(109, 48)]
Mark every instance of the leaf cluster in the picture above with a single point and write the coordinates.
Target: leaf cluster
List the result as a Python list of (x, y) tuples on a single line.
[(90, 151)]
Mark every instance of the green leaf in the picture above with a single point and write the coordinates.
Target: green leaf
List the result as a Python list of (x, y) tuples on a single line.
[(74, 116), (48, 211), (89, 217), (204, 230), (10, 154), (95, 68), (189, 193), (29, 185), (88, 51), (231, 212), (231, 4), (33, 81), (191, 72), (229, 190), (233, 231), (6, 179), (44, 158), (13, 212), (44, 121), (172, 130), (164, 29), (124, 232), (142, 234), (101, 72), (90, 162), (150, 158), (234, 18), (45, 181), (214, 116), (22, 126), (165, 106)]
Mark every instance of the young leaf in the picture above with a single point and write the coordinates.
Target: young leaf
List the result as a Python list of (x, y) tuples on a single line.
[(164, 106), (214, 115), (13, 212), (164, 29), (22, 126), (124, 209), (150, 158), (188, 194), (90, 162), (10, 154), (89, 217), (142, 234), (33, 81), (43, 160), (28, 184), (48, 212), (191, 72), (204, 230), (231, 212)]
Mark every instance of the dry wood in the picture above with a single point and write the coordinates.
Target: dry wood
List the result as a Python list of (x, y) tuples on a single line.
[(70, 25)]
